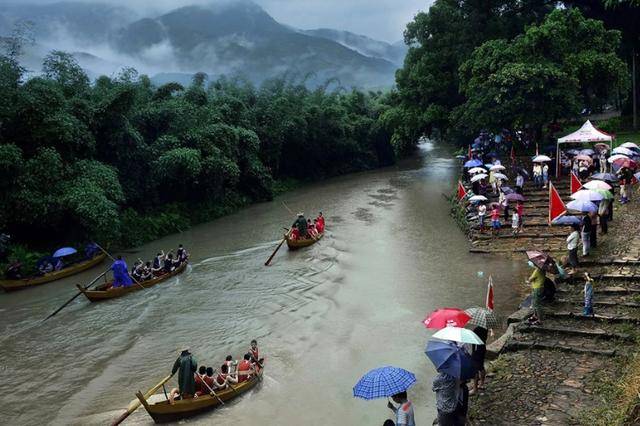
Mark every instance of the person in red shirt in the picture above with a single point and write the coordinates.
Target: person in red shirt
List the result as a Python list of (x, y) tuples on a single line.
[(253, 351), (198, 377), (245, 369), (295, 233), (320, 219), (520, 210), (206, 382), (495, 220), (224, 378)]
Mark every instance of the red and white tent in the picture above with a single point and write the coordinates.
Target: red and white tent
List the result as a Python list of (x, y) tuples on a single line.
[(585, 134)]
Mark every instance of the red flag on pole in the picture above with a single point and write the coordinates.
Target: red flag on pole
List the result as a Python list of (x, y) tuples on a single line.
[(556, 205), (461, 191), (489, 302), (575, 183)]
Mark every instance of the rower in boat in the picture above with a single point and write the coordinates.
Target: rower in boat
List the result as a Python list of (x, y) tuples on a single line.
[(320, 223), (147, 272), (185, 365), (254, 352), (157, 263), (207, 383), (224, 378), (181, 254), (245, 368), (120, 271), (170, 263), (301, 224)]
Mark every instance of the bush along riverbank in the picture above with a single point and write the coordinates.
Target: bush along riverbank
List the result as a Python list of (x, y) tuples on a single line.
[(572, 369)]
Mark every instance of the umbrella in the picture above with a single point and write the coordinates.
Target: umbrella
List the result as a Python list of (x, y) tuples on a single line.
[(446, 317), (606, 194), (449, 358), (514, 197), (630, 145), (586, 195), (629, 164), (383, 382), (624, 151), (583, 157), (482, 317), (543, 261), (541, 159), (488, 165), (607, 177), (567, 220), (478, 177), (497, 167), (573, 152), (64, 251), (596, 184), (506, 190), (637, 175), (478, 198), (617, 157), (459, 334), (582, 206), (477, 170), (500, 176), (587, 151), (603, 146), (473, 163)]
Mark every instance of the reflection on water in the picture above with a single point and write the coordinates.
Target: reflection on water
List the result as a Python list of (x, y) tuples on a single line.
[(323, 316)]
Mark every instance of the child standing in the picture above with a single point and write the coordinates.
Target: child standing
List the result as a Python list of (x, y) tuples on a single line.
[(495, 220), (588, 296)]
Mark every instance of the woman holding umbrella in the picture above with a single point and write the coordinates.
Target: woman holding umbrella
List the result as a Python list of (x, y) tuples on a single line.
[(541, 263)]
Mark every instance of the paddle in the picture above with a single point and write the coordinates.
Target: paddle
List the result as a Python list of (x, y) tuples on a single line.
[(133, 405), (111, 257), (275, 251), (77, 294), (211, 390)]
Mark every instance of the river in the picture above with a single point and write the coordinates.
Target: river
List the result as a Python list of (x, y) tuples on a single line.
[(323, 316)]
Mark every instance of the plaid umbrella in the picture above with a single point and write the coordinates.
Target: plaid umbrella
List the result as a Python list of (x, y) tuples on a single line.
[(482, 317), (383, 382)]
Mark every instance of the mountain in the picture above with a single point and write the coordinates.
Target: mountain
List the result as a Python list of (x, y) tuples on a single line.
[(233, 38), (393, 53)]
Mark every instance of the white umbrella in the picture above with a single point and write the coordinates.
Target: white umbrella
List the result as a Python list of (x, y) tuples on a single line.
[(497, 167), (478, 198), (500, 176), (629, 145), (477, 170), (587, 195), (597, 184), (623, 151), (478, 177), (541, 159), (616, 157), (457, 334)]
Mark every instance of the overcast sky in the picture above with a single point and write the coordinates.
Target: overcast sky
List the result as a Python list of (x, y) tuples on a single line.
[(380, 19)]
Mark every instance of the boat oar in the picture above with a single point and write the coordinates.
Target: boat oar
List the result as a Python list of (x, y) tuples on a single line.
[(275, 251), (111, 257), (133, 405), (77, 294), (211, 390)]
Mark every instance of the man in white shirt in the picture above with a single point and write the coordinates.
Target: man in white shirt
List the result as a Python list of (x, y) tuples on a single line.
[(572, 246), (482, 212)]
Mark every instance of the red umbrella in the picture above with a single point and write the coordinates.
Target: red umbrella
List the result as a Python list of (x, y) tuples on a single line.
[(625, 162), (446, 317)]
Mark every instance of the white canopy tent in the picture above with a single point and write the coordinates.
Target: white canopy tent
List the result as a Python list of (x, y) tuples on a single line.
[(585, 134)]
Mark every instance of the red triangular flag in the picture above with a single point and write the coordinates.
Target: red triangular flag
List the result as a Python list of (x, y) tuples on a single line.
[(461, 191), (489, 301), (575, 185), (556, 205)]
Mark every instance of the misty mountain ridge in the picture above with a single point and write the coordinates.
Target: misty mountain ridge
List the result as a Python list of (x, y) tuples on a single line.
[(231, 38)]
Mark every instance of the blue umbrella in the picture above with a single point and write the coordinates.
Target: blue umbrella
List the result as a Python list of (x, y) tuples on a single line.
[(582, 206), (383, 382), (450, 358), (567, 220), (473, 163), (64, 251), (607, 177)]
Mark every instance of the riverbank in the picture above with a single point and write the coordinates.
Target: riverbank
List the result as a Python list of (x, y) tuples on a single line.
[(571, 370)]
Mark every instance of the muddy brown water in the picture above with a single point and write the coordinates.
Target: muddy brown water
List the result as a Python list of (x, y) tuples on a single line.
[(323, 316)]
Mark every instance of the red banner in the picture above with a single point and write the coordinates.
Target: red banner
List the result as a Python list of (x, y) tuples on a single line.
[(461, 191), (556, 205), (576, 185), (489, 301)]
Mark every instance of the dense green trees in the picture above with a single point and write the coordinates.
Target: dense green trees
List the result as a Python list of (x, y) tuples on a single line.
[(121, 160), (509, 64)]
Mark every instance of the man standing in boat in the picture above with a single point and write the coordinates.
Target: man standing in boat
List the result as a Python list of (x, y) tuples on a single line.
[(186, 365), (120, 271), (301, 224)]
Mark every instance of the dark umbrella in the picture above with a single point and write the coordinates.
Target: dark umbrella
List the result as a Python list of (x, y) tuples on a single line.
[(567, 220), (507, 190), (449, 358), (514, 197), (607, 177), (543, 261)]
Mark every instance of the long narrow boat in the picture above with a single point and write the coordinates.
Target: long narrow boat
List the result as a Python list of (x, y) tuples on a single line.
[(12, 285), (106, 291), (163, 412), (300, 243)]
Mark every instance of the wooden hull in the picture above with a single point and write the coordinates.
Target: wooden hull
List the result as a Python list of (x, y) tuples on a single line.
[(101, 293), (12, 285), (163, 412), (298, 244)]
